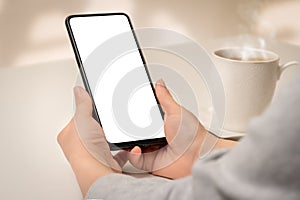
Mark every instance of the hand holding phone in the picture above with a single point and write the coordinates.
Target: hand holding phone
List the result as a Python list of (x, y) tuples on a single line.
[(114, 73)]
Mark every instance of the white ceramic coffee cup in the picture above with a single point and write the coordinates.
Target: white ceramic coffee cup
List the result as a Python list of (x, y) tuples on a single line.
[(249, 78)]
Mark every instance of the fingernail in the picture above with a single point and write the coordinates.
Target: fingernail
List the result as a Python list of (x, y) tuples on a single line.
[(77, 92), (161, 82)]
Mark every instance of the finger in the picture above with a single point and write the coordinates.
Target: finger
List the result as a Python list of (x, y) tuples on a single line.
[(141, 160), (83, 101), (121, 157), (166, 100), (135, 157), (136, 150)]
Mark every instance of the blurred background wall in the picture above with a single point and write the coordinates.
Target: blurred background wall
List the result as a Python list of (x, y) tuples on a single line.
[(33, 31)]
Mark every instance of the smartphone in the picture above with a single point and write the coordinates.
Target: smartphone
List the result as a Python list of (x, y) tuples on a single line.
[(115, 75)]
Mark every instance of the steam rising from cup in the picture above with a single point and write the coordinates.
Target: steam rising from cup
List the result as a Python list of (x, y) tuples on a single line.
[(246, 54)]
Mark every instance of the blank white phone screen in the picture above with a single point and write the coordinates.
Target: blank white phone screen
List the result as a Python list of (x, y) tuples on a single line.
[(122, 93)]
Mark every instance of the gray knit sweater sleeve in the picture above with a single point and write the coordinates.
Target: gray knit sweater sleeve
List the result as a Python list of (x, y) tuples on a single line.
[(265, 165)]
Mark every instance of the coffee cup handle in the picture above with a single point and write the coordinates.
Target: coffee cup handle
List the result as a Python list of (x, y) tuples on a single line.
[(285, 66)]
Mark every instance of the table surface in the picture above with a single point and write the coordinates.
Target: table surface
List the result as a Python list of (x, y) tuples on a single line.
[(36, 102)]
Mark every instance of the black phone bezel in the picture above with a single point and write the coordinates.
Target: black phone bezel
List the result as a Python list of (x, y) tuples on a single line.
[(123, 145)]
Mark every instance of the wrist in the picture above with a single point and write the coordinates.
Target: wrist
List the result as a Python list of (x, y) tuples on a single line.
[(87, 171), (224, 143)]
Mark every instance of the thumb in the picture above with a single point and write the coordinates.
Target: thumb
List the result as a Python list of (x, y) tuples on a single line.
[(136, 158), (83, 101), (166, 100)]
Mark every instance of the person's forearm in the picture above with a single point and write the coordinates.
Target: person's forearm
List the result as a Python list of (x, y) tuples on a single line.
[(87, 170)]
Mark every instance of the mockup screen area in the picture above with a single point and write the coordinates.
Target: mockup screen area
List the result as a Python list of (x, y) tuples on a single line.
[(122, 93)]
